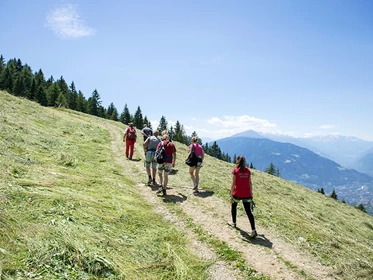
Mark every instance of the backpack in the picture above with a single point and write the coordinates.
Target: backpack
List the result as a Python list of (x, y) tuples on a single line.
[(131, 133), (192, 158), (160, 154)]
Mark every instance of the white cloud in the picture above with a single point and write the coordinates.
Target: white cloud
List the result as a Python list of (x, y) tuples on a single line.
[(66, 22), (230, 125), (327, 126)]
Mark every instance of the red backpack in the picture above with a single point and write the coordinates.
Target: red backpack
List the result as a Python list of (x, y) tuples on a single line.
[(131, 133)]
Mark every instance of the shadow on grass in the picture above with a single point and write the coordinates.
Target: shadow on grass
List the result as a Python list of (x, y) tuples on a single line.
[(204, 194), (259, 240), (135, 159), (173, 171), (174, 198)]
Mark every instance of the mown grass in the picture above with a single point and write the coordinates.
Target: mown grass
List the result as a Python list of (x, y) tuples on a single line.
[(67, 212), (336, 234)]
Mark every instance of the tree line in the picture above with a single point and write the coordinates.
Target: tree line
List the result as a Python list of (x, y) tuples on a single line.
[(18, 79)]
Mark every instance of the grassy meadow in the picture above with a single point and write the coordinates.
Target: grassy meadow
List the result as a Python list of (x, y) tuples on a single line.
[(68, 211)]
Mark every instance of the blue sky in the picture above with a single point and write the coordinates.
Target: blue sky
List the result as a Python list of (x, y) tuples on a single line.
[(299, 67)]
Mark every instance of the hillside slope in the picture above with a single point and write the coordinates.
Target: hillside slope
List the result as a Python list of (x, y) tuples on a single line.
[(304, 167), (71, 206)]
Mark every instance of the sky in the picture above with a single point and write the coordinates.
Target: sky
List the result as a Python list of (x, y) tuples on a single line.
[(296, 67)]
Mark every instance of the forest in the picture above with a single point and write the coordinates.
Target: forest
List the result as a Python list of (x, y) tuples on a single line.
[(19, 79)]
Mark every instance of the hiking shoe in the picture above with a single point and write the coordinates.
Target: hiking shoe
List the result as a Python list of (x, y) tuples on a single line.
[(154, 183), (164, 192), (149, 181), (253, 234), (195, 189), (160, 189), (233, 225)]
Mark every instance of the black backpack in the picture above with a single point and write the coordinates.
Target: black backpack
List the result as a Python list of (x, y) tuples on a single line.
[(159, 154), (192, 158)]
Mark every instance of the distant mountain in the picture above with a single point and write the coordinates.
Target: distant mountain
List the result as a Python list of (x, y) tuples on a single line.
[(345, 150), (302, 166), (365, 163)]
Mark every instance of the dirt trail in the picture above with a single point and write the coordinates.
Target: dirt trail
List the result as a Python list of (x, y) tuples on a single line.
[(267, 253)]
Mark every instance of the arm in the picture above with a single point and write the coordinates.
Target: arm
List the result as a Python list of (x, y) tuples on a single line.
[(232, 186), (145, 145), (124, 135), (251, 187)]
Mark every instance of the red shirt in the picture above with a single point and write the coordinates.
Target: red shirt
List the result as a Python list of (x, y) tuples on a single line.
[(169, 149), (242, 188)]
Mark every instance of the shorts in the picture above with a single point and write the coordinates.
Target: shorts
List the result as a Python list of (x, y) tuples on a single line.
[(199, 163), (166, 167), (150, 160)]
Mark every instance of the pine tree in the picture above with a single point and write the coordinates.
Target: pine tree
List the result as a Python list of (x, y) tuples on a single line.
[(28, 78), (234, 158), (361, 207), (112, 112), (125, 116), (334, 195), (271, 169), (41, 96), (8, 77), (81, 103), (73, 96), (94, 103), (53, 95), (137, 118), (65, 91), (162, 125), (148, 123), (251, 166), (19, 89)]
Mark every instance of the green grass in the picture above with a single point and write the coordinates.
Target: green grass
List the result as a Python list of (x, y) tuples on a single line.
[(68, 211)]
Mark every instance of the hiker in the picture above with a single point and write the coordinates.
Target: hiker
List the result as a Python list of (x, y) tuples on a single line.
[(129, 137), (241, 189), (165, 168), (150, 145), (146, 132), (194, 170)]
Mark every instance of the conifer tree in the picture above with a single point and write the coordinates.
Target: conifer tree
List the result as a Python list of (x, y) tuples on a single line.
[(81, 103), (138, 120), (19, 89), (65, 91), (112, 112), (41, 96), (234, 158), (53, 95), (125, 116), (162, 125), (271, 169), (334, 195), (361, 208), (73, 96), (27, 77), (8, 78), (147, 122), (94, 103)]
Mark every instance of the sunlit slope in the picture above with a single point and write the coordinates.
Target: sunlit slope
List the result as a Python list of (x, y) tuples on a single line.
[(66, 210), (64, 201)]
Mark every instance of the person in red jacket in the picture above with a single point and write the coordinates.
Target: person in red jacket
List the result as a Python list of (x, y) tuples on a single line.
[(170, 160), (130, 138), (241, 189)]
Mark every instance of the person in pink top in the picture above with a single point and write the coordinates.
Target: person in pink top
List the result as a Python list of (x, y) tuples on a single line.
[(194, 170), (241, 189)]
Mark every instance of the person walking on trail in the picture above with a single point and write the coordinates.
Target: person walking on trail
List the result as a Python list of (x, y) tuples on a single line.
[(165, 168), (146, 132), (241, 189), (129, 137), (150, 146), (194, 170)]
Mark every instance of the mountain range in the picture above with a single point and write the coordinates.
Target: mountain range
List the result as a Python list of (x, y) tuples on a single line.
[(306, 167)]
